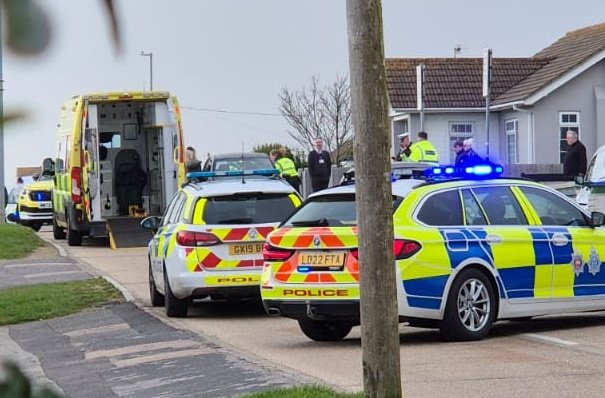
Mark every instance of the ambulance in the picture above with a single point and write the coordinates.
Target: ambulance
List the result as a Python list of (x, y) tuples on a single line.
[(119, 157)]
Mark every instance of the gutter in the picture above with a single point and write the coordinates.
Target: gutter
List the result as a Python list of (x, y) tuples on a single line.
[(531, 148)]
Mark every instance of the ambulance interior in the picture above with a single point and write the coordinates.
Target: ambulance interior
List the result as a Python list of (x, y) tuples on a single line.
[(132, 146)]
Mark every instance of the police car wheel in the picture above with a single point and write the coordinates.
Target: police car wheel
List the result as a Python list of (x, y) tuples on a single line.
[(157, 299), (325, 330), (175, 307), (470, 309), (35, 225)]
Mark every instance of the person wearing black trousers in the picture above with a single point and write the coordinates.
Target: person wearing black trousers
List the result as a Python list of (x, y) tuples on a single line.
[(320, 166)]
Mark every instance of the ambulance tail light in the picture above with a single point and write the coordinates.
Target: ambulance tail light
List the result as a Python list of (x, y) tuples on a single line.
[(272, 253), (76, 185), (196, 239), (402, 249)]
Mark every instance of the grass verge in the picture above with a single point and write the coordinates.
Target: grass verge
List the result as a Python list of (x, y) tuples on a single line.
[(49, 300), (302, 392), (17, 241)]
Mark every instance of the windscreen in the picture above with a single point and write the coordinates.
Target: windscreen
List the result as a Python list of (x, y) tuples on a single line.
[(254, 208), (254, 163)]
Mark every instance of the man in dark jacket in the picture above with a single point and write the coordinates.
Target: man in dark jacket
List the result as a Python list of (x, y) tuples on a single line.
[(320, 166), (574, 163)]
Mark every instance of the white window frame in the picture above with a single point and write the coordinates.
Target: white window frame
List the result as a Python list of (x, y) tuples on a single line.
[(455, 136), (575, 126), (512, 133)]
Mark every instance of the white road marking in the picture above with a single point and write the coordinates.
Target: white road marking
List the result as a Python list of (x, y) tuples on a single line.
[(549, 340), (101, 329), (35, 265), (133, 349), (47, 274), (159, 357)]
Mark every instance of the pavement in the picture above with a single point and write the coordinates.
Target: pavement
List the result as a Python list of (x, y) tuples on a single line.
[(121, 350)]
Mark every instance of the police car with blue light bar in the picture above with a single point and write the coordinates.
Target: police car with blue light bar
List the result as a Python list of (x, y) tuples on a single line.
[(209, 241), (470, 249)]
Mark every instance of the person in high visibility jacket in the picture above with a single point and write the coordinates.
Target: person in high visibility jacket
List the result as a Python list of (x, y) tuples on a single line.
[(423, 150), (286, 167)]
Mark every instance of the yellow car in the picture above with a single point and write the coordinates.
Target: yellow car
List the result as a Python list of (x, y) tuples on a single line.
[(470, 249), (209, 241), (34, 203)]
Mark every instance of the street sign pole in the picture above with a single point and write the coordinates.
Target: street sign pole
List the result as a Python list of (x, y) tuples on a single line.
[(487, 77), (2, 156)]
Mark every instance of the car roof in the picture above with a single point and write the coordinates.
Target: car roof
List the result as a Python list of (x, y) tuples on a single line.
[(400, 188), (229, 186), (246, 155)]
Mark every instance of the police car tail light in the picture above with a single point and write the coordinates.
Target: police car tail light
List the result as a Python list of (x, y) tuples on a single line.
[(76, 185), (403, 248), (271, 253), (194, 239)]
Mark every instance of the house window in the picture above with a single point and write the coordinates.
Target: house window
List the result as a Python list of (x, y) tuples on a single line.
[(511, 127), (567, 121), (459, 131)]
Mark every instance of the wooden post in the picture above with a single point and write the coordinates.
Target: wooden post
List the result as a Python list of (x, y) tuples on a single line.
[(379, 318)]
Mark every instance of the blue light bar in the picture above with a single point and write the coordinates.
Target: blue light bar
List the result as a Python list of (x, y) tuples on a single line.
[(478, 171), (231, 173)]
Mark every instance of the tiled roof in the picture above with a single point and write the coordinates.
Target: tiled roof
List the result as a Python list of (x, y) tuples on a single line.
[(454, 82), (567, 53)]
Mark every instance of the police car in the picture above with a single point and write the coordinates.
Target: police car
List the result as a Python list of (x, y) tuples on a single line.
[(470, 249), (209, 241)]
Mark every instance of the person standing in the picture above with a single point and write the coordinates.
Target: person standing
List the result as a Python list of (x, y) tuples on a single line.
[(574, 163), (192, 163), (404, 148), (459, 152), (286, 167), (320, 166), (469, 157), (423, 150), (18, 188)]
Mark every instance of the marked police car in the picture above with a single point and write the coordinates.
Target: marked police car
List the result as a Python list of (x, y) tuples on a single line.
[(469, 250), (209, 241)]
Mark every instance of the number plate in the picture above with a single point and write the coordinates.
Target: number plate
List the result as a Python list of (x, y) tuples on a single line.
[(322, 259), (242, 249), (45, 205)]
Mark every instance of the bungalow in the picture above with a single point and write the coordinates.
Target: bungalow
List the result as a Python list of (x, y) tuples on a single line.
[(534, 101)]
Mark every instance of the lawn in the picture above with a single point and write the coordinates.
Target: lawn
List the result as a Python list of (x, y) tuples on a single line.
[(49, 300), (303, 392), (17, 241)]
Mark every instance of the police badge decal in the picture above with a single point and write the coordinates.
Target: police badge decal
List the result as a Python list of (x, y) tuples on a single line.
[(577, 263), (594, 263), (316, 241)]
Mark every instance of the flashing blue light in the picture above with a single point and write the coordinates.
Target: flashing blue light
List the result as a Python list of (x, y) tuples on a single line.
[(231, 173), (304, 269), (479, 171)]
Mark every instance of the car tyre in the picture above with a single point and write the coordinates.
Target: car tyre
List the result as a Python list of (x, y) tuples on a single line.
[(175, 307), (157, 299), (35, 225), (471, 307), (58, 232), (325, 330), (74, 238)]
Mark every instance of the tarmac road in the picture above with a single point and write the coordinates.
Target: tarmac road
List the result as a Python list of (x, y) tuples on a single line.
[(549, 356)]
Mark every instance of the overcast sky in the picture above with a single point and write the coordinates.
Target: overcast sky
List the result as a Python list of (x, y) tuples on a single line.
[(235, 55)]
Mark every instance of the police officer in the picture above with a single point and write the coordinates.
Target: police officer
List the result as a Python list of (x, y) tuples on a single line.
[(286, 167), (404, 148), (423, 150)]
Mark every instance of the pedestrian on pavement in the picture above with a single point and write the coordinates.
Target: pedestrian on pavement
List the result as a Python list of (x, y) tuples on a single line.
[(574, 163), (468, 156), (423, 150), (17, 188), (459, 151), (404, 148), (320, 166), (286, 167)]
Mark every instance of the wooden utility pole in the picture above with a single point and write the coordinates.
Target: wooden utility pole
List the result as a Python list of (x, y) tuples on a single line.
[(379, 319)]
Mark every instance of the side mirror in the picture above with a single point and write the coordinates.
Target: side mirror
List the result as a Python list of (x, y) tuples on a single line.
[(13, 217), (152, 223), (597, 219), (579, 180)]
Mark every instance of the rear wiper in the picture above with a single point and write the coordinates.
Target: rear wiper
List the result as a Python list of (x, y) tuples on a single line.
[(242, 220), (322, 222)]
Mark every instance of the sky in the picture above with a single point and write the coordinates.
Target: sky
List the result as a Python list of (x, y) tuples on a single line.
[(236, 55)]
